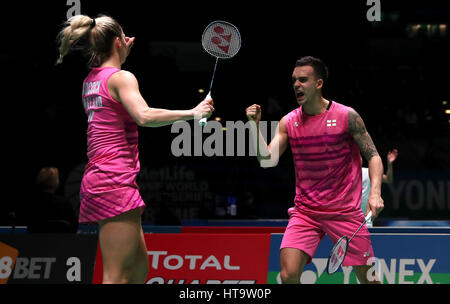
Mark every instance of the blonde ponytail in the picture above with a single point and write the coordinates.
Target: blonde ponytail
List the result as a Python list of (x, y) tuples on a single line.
[(76, 27), (97, 34)]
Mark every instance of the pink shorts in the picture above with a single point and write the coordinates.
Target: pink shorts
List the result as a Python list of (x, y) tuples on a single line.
[(304, 232)]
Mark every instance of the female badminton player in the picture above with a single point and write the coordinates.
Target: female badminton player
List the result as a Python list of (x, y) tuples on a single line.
[(326, 138), (115, 108)]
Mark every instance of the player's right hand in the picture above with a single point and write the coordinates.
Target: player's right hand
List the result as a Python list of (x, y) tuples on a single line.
[(375, 204), (253, 112), (204, 108)]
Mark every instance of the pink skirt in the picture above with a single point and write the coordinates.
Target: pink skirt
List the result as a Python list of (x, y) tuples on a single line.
[(105, 195)]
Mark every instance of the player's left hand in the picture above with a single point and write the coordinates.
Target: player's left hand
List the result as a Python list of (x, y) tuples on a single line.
[(375, 204)]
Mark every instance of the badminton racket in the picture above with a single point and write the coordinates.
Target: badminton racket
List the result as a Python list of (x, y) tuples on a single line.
[(221, 40), (339, 250)]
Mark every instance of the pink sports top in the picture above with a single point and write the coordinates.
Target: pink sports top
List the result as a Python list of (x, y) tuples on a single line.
[(109, 185), (326, 159)]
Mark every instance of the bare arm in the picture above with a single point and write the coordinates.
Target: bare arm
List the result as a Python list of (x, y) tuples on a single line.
[(362, 138), (124, 88), (278, 144), (388, 178), (267, 155)]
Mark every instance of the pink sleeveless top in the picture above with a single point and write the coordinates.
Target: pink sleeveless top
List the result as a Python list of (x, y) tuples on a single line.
[(109, 184), (326, 159)]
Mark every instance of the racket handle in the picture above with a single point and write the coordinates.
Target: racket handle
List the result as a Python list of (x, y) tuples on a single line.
[(203, 121), (369, 215)]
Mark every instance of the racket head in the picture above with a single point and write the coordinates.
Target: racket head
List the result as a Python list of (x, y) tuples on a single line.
[(337, 255), (221, 39)]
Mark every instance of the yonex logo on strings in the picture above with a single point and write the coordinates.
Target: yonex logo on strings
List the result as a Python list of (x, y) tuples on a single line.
[(340, 252), (222, 41)]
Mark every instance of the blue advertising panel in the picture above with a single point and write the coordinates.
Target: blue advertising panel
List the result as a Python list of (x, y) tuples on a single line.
[(401, 258)]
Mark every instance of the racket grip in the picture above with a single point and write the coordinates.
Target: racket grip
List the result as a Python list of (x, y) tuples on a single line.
[(369, 215), (203, 121)]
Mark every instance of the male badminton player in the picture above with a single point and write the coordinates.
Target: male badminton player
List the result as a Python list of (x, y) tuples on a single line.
[(114, 107), (326, 138)]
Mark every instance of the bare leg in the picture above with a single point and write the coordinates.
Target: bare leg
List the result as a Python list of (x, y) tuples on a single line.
[(140, 267), (292, 262), (120, 239)]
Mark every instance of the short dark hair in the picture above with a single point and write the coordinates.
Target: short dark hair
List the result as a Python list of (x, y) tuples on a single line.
[(48, 178), (320, 69)]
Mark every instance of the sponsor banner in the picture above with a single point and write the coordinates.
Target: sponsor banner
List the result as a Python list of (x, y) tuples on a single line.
[(47, 258), (400, 259), (418, 195), (93, 229), (194, 258), (219, 229)]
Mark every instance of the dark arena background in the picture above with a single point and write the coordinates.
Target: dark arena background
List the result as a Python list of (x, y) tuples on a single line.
[(393, 72)]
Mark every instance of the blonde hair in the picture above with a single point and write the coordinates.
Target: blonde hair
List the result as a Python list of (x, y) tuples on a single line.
[(94, 36)]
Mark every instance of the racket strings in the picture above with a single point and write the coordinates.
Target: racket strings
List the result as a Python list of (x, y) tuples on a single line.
[(221, 39), (337, 255), (339, 250)]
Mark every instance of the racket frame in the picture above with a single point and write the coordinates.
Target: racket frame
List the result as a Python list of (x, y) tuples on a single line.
[(203, 121), (332, 251), (368, 216)]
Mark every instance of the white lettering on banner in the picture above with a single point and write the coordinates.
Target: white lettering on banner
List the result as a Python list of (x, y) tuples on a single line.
[(310, 277), (231, 282), (425, 277), (33, 268), (193, 259), (173, 257), (210, 261), (6, 264), (161, 280), (347, 271), (395, 271), (226, 264), (417, 195), (388, 272), (404, 270), (186, 186)]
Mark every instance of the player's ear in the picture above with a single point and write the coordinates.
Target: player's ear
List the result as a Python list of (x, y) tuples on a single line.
[(319, 83), (117, 42)]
